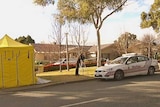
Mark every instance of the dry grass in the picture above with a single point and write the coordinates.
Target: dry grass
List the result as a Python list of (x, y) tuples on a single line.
[(68, 76)]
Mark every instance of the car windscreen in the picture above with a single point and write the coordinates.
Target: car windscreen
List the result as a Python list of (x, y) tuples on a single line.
[(119, 60)]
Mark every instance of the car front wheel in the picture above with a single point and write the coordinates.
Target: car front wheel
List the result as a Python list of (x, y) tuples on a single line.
[(151, 70), (119, 75)]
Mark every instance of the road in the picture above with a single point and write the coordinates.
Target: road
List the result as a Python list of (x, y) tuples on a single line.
[(139, 91)]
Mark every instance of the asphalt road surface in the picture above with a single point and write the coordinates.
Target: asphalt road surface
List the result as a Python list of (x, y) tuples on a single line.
[(139, 91)]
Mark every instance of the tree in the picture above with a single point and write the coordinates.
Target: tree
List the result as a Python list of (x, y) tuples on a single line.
[(124, 42), (152, 18), (43, 2), (78, 36), (89, 11), (25, 40), (148, 44), (57, 33)]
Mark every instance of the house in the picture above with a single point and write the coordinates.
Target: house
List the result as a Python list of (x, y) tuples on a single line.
[(50, 52), (148, 49), (107, 51)]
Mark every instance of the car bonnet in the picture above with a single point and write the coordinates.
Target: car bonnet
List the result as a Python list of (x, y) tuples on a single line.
[(108, 66)]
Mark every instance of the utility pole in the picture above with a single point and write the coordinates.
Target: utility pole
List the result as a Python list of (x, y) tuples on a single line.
[(67, 57)]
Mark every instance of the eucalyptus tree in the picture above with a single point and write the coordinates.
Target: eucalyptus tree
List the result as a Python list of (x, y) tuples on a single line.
[(124, 42), (152, 18), (90, 11)]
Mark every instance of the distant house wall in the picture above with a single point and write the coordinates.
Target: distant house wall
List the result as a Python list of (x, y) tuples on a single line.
[(51, 57), (47, 57), (108, 51), (39, 57), (50, 52)]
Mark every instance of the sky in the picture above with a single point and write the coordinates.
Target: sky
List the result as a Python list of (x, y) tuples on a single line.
[(22, 18)]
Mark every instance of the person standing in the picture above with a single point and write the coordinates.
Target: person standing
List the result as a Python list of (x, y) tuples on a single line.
[(80, 58)]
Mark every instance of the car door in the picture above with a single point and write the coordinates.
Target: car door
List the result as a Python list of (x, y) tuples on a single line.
[(143, 64), (132, 64)]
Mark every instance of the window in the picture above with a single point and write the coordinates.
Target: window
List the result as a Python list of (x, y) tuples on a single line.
[(133, 59), (142, 58)]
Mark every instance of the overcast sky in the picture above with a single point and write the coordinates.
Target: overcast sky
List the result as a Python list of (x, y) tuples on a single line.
[(22, 18)]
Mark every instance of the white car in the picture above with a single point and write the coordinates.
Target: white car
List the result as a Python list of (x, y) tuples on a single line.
[(127, 65)]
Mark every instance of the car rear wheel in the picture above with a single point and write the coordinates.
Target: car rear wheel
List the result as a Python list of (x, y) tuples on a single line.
[(151, 71), (119, 75)]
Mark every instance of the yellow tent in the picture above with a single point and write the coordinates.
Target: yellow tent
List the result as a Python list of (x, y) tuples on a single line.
[(16, 63)]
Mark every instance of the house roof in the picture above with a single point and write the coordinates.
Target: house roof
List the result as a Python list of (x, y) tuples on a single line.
[(55, 48), (71, 48), (94, 48), (84, 48), (47, 48)]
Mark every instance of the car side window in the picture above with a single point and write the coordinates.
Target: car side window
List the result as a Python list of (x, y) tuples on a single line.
[(142, 58), (132, 60)]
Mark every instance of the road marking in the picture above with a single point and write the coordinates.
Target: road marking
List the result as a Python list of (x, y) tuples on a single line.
[(84, 102)]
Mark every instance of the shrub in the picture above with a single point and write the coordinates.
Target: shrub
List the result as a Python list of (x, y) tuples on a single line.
[(52, 67)]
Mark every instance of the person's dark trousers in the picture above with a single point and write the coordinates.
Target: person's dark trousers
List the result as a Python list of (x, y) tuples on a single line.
[(77, 71), (77, 67)]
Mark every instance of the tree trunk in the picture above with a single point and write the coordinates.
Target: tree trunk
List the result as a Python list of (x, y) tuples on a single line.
[(60, 66), (98, 48), (60, 46)]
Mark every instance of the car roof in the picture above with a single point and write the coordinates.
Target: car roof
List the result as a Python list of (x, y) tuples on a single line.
[(131, 54)]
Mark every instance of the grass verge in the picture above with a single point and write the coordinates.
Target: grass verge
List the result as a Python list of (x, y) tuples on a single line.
[(86, 73)]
